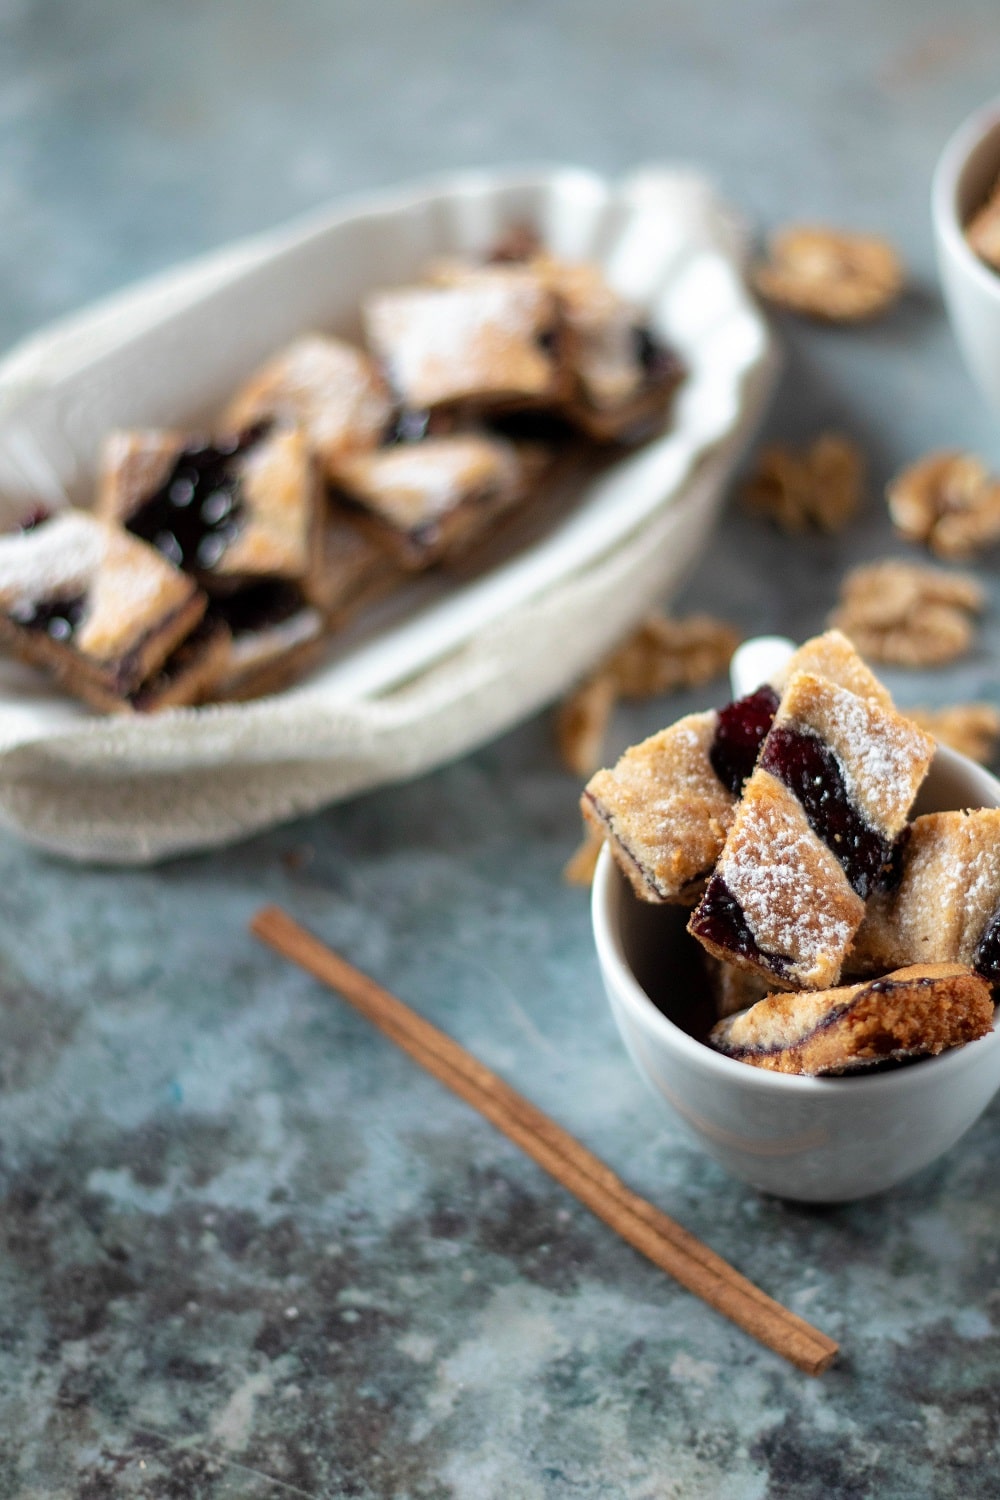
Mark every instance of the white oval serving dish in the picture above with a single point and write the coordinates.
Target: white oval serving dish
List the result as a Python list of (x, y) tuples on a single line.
[(448, 663)]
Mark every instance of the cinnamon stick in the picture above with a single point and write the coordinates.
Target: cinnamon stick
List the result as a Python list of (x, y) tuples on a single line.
[(646, 1228)]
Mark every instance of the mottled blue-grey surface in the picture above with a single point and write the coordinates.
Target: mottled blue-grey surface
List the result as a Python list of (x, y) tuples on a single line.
[(247, 1249)]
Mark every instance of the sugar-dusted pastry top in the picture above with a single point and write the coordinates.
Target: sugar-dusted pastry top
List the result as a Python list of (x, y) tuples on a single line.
[(238, 507), (491, 337), (667, 805), (914, 1012), (92, 603), (664, 810), (420, 496), (331, 389), (813, 834), (944, 905)]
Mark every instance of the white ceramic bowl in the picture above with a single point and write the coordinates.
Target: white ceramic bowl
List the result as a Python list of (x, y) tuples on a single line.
[(820, 1140), (968, 167)]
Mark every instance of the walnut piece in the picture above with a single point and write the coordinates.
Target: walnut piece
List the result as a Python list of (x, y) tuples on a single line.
[(582, 723), (663, 655), (579, 868), (824, 273), (660, 656), (948, 500), (818, 487), (973, 729), (983, 229), (907, 614)]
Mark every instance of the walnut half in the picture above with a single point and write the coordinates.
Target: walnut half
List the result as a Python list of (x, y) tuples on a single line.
[(906, 614), (660, 656), (827, 274), (948, 500), (818, 487)]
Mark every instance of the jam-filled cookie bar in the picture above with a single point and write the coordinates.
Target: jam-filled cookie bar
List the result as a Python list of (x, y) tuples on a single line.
[(944, 903), (668, 804), (228, 510), (915, 1012), (424, 501), (488, 341), (330, 389), (98, 608), (813, 834)]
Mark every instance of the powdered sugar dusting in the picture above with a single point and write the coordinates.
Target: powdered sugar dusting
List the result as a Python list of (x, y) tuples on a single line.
[(882, 755), (442, 341), (792, 890), (56, 560)]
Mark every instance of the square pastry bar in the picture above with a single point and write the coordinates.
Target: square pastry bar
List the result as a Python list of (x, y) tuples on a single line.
[(425, 501), (943, 903), (618, 377), (488, 340), (330, 389), (813, 835), (101, 610), (668, 804), (917, 1011), (228, 510)]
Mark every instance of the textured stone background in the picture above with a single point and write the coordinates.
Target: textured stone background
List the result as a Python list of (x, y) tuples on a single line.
[(247, 1249)]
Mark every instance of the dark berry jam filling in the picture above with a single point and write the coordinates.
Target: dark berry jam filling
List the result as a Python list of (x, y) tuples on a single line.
[(195, 514), (58, 618), (809, 768), (657, 361), (537, 426), (987, 956), (35, 517), (412, 425), (721, 920), (739, 734), (260, 606)]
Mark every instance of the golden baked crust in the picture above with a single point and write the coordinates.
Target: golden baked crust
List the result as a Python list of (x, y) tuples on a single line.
[(917, 1011), (813, 832), (349, 570), (276, 636), (488, 340), (272, 490), (791, 890), (187, 677), (424, 501), (947, 895), (133, 605), (664, 810), (332, 390)]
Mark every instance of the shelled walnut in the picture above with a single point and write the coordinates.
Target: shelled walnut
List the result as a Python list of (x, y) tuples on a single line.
[(948, 500), (820, 486), (828, 274), (907, 614)]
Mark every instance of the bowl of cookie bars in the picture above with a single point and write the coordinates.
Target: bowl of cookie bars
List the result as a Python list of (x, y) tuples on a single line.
[(797, 917), (334, 506)]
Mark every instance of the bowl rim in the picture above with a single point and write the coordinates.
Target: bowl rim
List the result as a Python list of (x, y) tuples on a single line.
[(618, 974), (944, 184)]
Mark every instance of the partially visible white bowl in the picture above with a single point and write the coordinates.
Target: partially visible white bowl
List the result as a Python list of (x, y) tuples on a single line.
[(967, 169), (819, 1140), (446, 663)]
